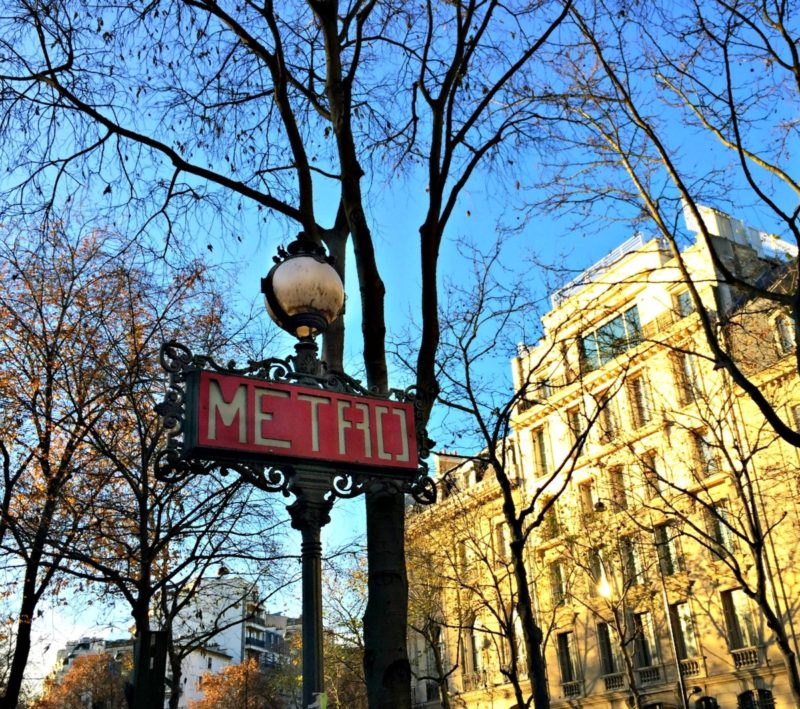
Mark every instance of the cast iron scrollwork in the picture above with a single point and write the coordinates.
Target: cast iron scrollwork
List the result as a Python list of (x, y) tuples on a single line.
[(303, 368), (347, 485)]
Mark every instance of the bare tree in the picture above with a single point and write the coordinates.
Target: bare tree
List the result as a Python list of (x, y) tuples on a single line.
[(83, 315), (642, 91), (190, 110), (491, 317), (724, 500)]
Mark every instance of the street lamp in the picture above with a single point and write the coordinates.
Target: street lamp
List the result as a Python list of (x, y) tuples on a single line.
[(303, 295), (293, 427), (303, 292)]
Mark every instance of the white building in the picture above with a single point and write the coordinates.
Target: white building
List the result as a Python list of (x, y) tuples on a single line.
[(224, 623)]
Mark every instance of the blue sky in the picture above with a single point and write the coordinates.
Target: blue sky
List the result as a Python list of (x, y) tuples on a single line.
[(395, 210)]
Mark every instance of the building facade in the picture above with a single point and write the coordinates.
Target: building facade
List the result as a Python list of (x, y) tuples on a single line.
[(666, 513), (224, 623)]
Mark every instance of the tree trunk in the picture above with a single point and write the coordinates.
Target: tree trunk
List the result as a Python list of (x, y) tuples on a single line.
[(386, 667), (22, 648), (175, 665), (30, 599)]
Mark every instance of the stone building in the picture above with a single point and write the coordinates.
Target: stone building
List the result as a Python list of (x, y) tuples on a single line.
[(663, 566)]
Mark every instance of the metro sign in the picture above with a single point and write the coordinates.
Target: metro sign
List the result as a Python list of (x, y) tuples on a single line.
[(244, 418)]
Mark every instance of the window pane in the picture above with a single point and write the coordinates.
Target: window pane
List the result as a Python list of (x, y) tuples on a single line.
[(611, 339), (666, 548), (607, 654), (589, 353), (739, 619), (566, 657), (684, 304), (683, 631), (645, 651), (633, 327)]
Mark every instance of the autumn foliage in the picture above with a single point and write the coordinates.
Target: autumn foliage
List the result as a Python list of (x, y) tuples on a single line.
[(243, 686), (93, 680)]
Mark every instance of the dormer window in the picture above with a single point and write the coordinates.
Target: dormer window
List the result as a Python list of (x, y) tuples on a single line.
[(609, 341)]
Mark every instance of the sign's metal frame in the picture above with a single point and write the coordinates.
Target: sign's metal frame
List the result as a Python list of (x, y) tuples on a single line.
[(277, 473)]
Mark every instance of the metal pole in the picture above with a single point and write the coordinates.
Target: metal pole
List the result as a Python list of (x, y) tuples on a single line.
[(309, 513)]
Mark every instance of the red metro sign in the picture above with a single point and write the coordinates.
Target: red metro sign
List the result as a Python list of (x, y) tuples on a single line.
[(252, 419)]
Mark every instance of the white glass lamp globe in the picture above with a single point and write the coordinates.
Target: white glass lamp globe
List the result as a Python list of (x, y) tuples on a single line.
[(303, 292)]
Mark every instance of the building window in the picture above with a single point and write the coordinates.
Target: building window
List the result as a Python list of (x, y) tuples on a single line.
[(607, 418), (684, 305), (541, 461), (550, 527), (683, 631), (653, 482), (756, 699), (722, 541), (739, 620), (631, 560), (542, 389), (641, 404), (645, 648), (575, 423), (500, 541), (796, 416), (686, 378), (705, 455), (597, 569), (618, 483), (588, 498), (558, 589), (784, 334), (608, 341), (480, 466), (669, 557), (567, 657), (471, 651), (475, 648), (463, 556), (609, 661)]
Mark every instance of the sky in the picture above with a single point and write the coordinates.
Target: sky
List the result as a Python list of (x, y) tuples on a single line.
[(395, 211)]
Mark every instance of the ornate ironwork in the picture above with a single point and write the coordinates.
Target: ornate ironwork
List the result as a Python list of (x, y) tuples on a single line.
[(305, 369)]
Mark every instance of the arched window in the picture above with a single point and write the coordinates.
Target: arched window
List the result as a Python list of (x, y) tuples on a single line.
[(756, 699)]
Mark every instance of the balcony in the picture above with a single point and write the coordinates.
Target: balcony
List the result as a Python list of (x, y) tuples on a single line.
[(745, 657), (572, 689), (649, 675), (473, 680), (256, 619), (255, 642), (614, 681), (691, 667)]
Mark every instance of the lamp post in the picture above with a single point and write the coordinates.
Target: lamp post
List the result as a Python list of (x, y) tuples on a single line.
[(304, 294), (291, 426)]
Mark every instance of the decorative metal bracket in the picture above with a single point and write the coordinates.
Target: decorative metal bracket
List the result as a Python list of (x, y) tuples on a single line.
[(303, 368)]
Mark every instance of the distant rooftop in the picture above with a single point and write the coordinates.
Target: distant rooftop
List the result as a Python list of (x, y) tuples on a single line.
[(768, 246), (585, 277)]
